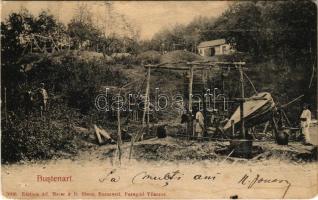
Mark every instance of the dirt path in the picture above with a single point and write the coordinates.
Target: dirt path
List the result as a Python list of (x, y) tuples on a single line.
[(92, 177), (203, 173)]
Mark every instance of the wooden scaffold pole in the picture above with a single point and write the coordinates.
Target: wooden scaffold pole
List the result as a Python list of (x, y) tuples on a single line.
[(204, 80), (190, 101), (5, 105), (146, 104), (119, 141), (242, 102)]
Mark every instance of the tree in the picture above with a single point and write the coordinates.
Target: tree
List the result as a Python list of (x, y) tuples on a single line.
[(83, 32), (16, 32)]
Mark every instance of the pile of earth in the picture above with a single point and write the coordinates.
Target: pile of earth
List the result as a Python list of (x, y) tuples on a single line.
[(149, 57), (169, 149), (91, 55), (180, 56), (294, 151)]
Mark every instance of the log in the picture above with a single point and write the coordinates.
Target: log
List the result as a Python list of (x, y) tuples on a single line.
[(99, 138)]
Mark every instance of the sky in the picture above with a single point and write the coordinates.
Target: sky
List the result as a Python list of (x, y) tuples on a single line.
[(149, 16)]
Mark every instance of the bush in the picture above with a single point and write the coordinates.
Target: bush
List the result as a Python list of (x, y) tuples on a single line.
[(75, 79), (149, 57), (35, 139)]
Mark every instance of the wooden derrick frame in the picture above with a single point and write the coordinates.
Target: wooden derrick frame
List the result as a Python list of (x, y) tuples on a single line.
[(34, 38), (191, 67)]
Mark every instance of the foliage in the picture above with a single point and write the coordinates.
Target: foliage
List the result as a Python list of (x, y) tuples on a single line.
[(77, 80), (34, 138), (280, 38), (149, 57), (83, 34), (180, 37)]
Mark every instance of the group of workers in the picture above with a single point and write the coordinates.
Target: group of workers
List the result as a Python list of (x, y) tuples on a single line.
[(40, 96), (198, 121)]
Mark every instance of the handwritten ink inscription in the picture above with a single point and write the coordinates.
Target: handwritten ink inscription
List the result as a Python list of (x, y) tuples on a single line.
[(251, 181), (174, 176)]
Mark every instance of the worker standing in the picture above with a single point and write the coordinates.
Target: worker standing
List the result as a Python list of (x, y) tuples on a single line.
[(199, 126), (43, 99), (305, 120), (28, 99)]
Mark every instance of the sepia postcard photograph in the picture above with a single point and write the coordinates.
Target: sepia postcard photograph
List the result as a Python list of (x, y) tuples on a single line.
[(159, 99)]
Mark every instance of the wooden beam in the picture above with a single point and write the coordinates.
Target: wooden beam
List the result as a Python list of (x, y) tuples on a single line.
[(193, 65), (190, 88), (204, 80), (146, 105), (215, 63), (119, 141), (190, 100), (275, 127), (284, 114), (5, 105), (296, 99), (197, 63), (250, 98), (242, 103), (167, 67)]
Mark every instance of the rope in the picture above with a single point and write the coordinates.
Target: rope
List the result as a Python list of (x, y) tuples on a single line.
[(312, 74), (249, 80)]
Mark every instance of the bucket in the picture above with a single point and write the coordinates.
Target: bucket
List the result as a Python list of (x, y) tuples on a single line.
[(242, 148), (282, 137)]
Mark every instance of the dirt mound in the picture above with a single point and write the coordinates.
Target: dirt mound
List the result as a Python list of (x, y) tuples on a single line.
[(149, 57), (295, 151), (91, 55), (180, 55), (170, 149)]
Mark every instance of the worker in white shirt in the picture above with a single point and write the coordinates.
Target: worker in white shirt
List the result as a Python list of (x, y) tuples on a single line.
[(43, 98), (305, 120), (199, 125)]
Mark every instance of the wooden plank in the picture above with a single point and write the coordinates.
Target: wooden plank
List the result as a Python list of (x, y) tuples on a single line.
[(99, 138)]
